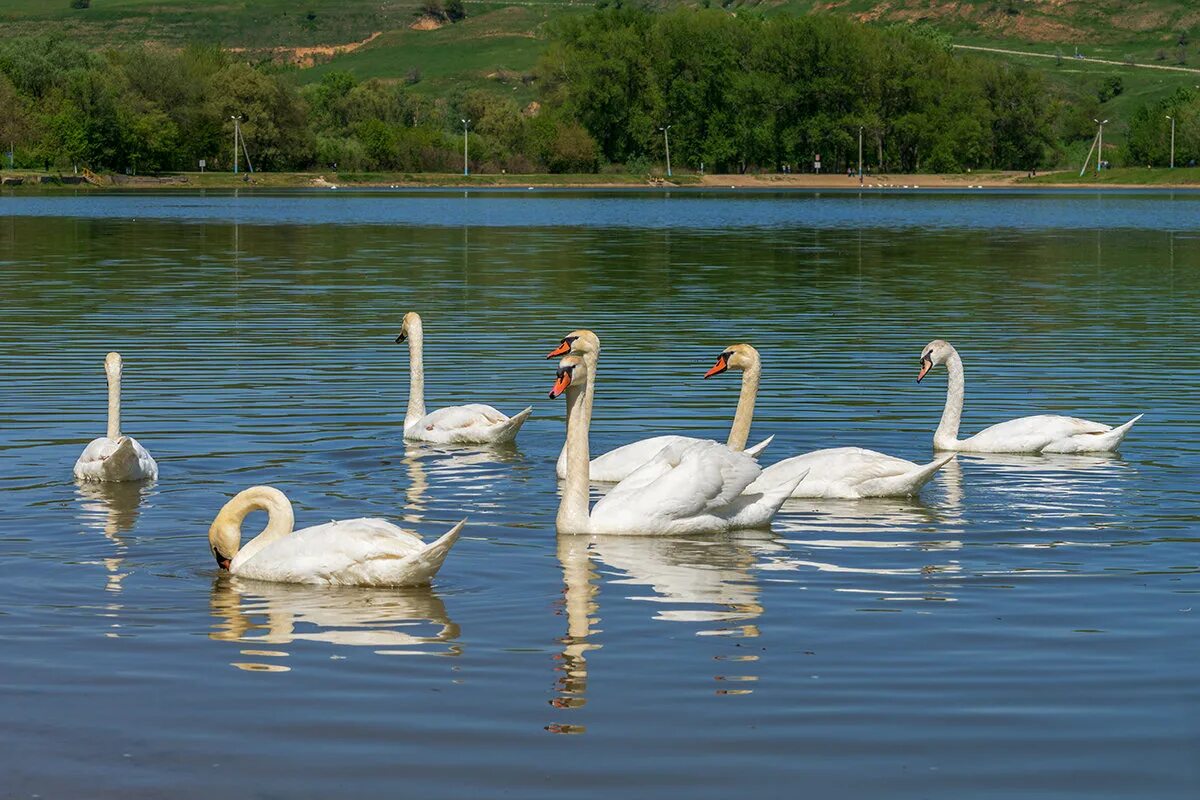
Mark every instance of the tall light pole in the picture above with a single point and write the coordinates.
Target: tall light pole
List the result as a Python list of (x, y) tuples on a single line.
[(237, 133), (860, 177), (1100, 139), (466, 170), (667, 144), (1172, 140)]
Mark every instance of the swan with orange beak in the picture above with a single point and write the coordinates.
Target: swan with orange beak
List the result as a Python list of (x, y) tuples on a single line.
[(686, 488), (618, 463), (838, 472)]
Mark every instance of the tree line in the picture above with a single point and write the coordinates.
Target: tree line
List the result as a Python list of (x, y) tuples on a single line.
[(738, 92)]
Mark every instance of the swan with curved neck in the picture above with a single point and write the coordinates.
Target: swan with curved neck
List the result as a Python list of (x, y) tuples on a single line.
[(690, 487), (353, 552), (618, 463), (467, 424), (835, 472), (114, 457), (1042, 433)]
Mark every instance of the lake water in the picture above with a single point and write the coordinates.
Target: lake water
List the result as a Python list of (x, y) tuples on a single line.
[(1029, 627)]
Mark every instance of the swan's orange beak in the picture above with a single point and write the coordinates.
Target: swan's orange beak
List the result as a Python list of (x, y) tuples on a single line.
[(721, 365), (563, 348), (561, 381), (926, 365)]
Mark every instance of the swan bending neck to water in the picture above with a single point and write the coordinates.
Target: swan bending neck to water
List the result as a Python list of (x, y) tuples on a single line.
[(689, 487), (354, 552), (114, 457), (834, 472), (618, 463), (467, 424), (1042, 433)]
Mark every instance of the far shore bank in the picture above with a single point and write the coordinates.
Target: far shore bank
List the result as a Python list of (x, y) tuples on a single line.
[(1120, 178)]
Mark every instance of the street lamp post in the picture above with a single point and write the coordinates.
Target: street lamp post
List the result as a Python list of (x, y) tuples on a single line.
[(466, 170), (860, 175), (1100, 140), (1172, 140), (237, 121), (667, 144)]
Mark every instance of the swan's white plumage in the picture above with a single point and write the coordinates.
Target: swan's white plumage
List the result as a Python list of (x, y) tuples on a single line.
[(114, 457), (466, 424), (1041, 433), (687, 487), (850, 473), (620, 462), (351, 552)]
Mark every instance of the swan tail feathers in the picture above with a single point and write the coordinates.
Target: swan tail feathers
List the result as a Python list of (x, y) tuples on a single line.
[(1102, 442), (776, 495), (507, 430), (121, 462), (425, 564), (757, 449), (906, 483)]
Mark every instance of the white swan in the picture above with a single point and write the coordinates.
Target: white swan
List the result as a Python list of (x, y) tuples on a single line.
[(837, 472), (470, 424), (351, 552), (693, 487), (1044, 433), (115, 457), (617, 464)]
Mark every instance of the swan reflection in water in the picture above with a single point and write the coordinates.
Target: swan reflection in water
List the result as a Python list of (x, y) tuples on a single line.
[(464, 470), (403, 621), (707, 581), (112, 508)]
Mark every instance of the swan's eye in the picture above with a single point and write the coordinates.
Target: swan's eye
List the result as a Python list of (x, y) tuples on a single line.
[(570, 340)]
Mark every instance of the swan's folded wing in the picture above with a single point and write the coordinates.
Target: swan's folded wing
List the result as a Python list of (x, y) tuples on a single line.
[(683, 480), (325, 551), (1029, 434), (452, 418)]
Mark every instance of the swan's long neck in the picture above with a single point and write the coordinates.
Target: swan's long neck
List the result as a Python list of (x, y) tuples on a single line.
[(592, 359), (744, 416), (416, 373), (114, 400), (573, 514), (946, 435), (280, 519)]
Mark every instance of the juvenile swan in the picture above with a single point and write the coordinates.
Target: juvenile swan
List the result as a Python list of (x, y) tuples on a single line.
[(691, 487), (618, 463), (470, 424), (115, 457), (1044, 433), (349, 552), (835, 472)]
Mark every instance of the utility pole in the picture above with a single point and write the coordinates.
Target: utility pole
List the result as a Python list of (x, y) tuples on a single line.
[(860, 177), (466, 170), (237, 134), (1172, 140), (1100, 139), (667, 145)]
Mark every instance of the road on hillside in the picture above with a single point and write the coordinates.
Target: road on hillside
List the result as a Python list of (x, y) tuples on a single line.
[(1074, 58)]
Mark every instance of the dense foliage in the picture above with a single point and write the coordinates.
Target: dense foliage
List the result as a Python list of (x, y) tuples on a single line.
[(751, 91), (738, 92), (1149, 142)]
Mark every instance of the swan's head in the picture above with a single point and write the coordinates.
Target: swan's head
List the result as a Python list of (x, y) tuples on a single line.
[(411, 325), (225, 534), (736, 356), (580, 343), (112, 365), (936, 352), (571, 369)]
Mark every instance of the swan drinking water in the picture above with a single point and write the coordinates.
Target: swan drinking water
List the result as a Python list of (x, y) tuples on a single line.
[(351, 552), (114, 457), (690, 487), (835, 472), (618, 463), (469, 424), (1043, 433)]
